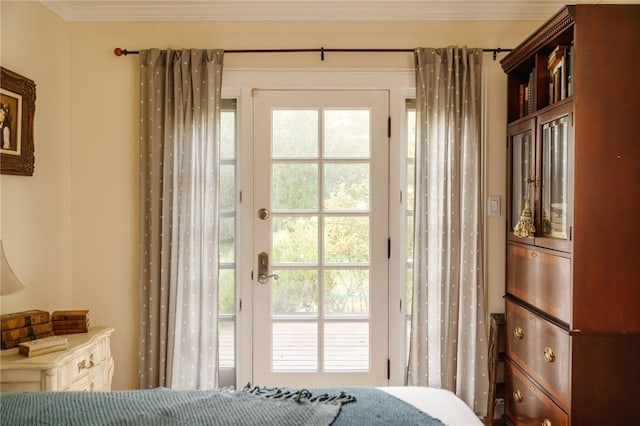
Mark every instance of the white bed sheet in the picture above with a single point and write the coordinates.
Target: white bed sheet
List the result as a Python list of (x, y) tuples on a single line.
[(439, 403)]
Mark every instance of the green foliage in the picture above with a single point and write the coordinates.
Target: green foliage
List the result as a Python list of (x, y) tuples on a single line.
[(295, 186), (295, 292), (227, 187), (295, 239), (226, 291), (346, 292), (227, 239)]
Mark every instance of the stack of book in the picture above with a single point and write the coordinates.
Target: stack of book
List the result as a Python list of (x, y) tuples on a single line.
[(24, 326), (69, 322), (43, 346)]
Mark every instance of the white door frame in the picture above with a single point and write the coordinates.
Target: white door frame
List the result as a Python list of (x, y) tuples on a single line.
[(239, 83)]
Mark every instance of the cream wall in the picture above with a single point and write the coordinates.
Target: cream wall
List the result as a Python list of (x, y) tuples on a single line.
[(36, 211), (79, 214)]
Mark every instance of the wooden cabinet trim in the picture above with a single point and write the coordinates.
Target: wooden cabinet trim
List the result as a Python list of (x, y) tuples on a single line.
[(559, 23)]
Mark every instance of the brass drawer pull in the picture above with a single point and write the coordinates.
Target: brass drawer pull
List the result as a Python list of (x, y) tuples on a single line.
[(517, 396), (82, 365), (518, 333), (546, 422), (549, 356)]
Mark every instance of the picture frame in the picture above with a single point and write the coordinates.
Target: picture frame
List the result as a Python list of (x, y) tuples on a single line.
[(17, 111)]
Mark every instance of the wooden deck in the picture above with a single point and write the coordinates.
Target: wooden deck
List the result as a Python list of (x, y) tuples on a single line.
[(295, 346)]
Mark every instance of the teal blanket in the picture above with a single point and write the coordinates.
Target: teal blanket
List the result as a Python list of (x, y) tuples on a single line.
[(251, 406)]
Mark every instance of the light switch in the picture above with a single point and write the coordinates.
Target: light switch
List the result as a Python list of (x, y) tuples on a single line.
[(494, 205)]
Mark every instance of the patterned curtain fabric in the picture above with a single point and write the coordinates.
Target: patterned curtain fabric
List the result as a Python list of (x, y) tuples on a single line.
[(448, 333), (179, 152)]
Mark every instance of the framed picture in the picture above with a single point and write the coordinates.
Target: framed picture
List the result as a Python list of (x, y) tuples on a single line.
[(17, 109)]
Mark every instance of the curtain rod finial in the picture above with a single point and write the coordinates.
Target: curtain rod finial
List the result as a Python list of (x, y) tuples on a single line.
[(119, 52)]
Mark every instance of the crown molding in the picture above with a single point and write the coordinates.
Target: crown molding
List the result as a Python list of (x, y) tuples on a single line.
[(306, 10)]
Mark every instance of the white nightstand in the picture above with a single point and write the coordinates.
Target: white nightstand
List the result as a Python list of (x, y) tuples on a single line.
[(86, 366)]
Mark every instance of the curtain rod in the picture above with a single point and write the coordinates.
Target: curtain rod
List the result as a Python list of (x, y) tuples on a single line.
[(120, 52)]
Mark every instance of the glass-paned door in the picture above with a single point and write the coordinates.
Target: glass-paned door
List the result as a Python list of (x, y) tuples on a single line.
[(522, 151), (555, 136), (554, 178), (321, 226)]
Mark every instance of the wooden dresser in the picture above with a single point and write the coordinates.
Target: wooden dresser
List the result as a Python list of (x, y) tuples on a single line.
[(86, 365), (573, 278)]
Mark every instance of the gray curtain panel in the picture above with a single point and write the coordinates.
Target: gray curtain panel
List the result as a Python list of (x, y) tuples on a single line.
[(179, 178), (448, 346)]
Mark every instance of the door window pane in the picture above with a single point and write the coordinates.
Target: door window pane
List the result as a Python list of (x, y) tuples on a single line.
[(346, 186), (411, 179), (227, 186), (346, 292), (295, 292), (295, 346), (226, 299), (295, 239), (346, 239), (346, 133), (227, 239), (346, 346), (226, 293), (228, 130), (295, 134), (295, 186), (226, 340)]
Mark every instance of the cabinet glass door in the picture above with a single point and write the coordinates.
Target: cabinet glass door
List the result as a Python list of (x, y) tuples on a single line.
[(522, 169), (554, 212), (554, 189)]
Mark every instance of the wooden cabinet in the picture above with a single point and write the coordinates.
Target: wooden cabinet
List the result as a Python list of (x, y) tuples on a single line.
[(87, 365), (573, 224)]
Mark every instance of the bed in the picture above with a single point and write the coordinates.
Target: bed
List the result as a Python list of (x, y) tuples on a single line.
[(348, 406), (438, 403)]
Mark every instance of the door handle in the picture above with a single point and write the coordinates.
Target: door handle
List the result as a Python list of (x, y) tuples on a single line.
[(263, 269)]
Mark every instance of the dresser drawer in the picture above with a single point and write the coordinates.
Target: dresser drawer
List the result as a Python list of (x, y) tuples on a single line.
[(526, 404), (95, 381), (88, 360), (542, 349), (540, 279)]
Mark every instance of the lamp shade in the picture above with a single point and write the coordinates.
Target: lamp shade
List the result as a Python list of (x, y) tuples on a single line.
[(9, 283)]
